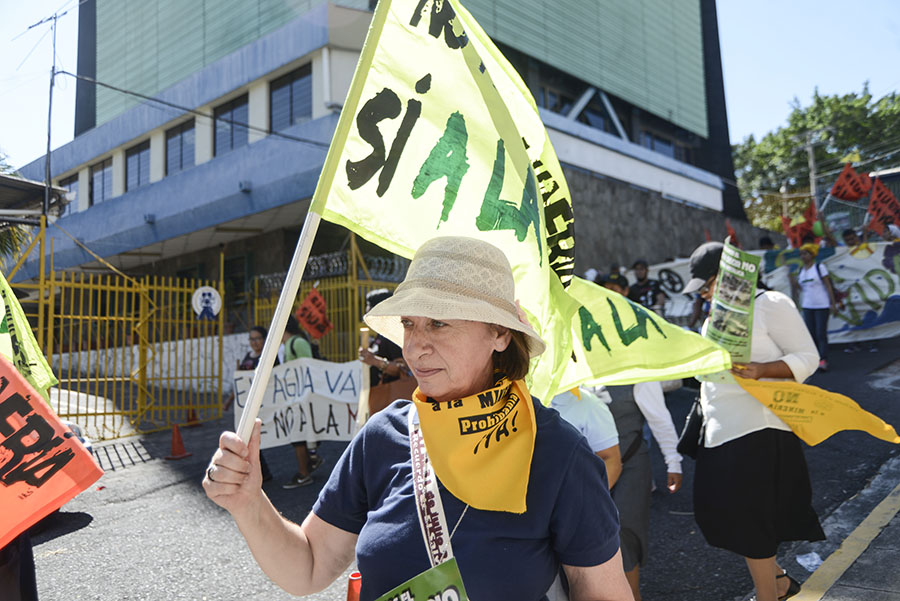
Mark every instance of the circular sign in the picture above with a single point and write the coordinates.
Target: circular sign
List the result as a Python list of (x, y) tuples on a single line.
[(206, 302)]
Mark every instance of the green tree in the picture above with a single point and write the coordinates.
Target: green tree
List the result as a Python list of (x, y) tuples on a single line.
[(836, 126), (13, 238)]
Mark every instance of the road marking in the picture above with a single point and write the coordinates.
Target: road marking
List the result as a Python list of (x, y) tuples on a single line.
[(853, 546)]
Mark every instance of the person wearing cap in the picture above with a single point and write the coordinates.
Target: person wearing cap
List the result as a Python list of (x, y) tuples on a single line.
[(646, 291), (751, 483), (515, 493), (816, 297)]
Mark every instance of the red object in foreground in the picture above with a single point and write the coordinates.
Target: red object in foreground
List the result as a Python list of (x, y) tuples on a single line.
[(178, 450), (42, 463), (354, 584)]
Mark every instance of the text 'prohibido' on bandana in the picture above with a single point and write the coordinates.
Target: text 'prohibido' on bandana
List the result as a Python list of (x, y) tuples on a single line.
[(481, 446)]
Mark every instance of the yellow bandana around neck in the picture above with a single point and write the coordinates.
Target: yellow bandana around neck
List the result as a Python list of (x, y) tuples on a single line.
[(481, 446)]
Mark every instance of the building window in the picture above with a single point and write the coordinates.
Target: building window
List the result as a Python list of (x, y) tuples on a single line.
[(657, 144), (71, 186), (137, 166), (675, 150), (231, 125), (180, 147), (290, 98), (553, 99), (101, 182)]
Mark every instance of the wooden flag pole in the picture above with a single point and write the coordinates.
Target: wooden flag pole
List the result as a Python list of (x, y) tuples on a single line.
[(279, 321)]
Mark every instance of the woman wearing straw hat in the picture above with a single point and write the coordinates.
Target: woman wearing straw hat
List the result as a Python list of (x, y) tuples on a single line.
[(517, 491)]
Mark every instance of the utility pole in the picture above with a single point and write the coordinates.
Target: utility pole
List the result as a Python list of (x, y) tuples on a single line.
[(47, 182)]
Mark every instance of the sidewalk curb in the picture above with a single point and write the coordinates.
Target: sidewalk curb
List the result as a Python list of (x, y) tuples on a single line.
[(854, 524), (853, 546)]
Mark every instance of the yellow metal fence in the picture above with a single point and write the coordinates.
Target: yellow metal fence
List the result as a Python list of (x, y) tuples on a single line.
[(130, 354), (345, 298)]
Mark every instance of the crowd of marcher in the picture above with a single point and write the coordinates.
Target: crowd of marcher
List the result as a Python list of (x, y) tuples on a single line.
[(559, 512)]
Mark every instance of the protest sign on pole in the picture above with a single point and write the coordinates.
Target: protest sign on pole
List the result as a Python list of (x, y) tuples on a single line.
[(731, 311), (440, 136), (42, 463), (305, 400)]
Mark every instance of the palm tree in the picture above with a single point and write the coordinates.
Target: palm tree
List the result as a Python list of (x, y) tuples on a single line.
[(13, 237)]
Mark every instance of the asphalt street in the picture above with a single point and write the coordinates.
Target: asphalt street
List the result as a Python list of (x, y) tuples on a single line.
[(147, 531)]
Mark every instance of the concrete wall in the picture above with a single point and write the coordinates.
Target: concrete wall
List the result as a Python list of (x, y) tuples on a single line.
[(616, 222)]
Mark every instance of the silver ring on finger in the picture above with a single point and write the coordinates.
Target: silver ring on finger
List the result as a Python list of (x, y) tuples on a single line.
[(209, 473)]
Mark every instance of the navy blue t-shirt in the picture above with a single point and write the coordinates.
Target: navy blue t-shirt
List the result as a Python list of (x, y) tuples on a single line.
[(570, 518)]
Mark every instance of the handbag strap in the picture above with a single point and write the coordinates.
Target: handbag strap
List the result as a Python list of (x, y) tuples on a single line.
[(429, 508), (633, 447)]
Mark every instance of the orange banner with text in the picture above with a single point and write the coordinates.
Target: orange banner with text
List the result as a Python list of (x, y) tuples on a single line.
[(42, 464)]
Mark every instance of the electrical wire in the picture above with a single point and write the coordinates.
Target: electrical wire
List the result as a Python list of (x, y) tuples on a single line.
[(196, 112)]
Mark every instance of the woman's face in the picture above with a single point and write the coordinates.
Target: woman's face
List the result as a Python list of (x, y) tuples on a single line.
[(256, 341), (451, 359), (806, 257)]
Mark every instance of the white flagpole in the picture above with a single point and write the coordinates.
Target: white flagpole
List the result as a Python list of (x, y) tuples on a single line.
[(279, 321)]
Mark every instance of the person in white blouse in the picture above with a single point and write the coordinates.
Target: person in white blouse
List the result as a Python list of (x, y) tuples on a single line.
[(751, 484)]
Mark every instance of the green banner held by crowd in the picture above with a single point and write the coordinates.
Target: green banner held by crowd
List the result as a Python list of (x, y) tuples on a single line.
[(17, 343), (440, 136)]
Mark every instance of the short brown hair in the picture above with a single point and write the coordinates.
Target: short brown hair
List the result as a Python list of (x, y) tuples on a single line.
[(514, 361)]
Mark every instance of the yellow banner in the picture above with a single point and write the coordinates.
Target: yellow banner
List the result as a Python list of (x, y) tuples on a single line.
[(17, 343), (439, 136), (617, 341), (815, 414)]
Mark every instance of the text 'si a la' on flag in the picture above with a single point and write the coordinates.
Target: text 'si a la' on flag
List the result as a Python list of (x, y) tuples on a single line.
[(440, 136)]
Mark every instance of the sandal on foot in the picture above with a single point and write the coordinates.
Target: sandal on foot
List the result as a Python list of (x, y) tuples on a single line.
[(793, 586)]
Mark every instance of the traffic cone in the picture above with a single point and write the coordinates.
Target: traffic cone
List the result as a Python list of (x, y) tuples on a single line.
[(178, 451), (192, 420), (354, 583)]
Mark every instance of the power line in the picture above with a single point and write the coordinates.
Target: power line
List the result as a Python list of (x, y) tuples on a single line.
[(193, 111)]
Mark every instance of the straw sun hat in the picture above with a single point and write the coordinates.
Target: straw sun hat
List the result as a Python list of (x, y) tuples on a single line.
[(454, 277)]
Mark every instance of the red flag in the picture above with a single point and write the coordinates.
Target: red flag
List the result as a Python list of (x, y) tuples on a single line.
[(707, 234), (811, 214), (884, 209), (313, 315), (732, 234), (851, 185), (42, 464)]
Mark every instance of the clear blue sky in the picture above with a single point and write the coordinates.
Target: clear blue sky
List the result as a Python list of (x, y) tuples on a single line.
[(772, 52)]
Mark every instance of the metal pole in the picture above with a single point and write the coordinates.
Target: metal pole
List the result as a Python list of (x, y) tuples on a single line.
[(276, 328), (811, 158), (48, 185)]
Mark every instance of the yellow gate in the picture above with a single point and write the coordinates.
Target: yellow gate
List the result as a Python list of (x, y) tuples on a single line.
[(131, 354), (344, 294)]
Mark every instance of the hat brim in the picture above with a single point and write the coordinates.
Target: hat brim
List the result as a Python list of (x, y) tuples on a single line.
[(384, 318), (693, 285)]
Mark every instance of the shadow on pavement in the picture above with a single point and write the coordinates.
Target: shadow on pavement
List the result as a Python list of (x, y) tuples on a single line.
[(59, 523)]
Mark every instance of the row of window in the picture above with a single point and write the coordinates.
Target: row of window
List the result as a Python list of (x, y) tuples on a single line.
[(290, 102)]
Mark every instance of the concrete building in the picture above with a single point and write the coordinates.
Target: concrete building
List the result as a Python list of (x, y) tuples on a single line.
[(209, 122)]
